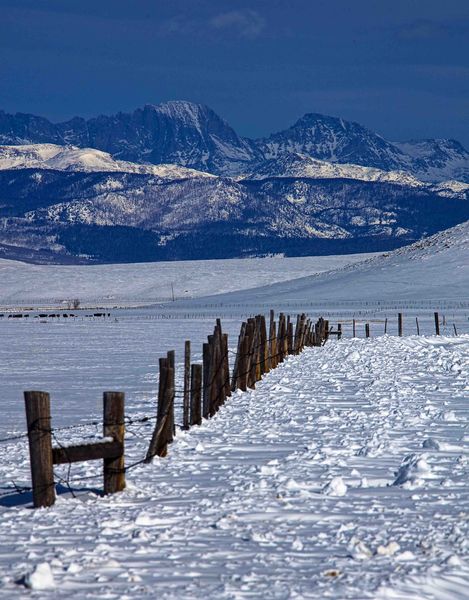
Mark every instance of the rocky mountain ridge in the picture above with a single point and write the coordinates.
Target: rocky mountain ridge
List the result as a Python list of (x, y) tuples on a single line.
[(192, 135)]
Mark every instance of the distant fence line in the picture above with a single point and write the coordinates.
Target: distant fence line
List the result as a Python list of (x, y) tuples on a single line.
[(139, 303)]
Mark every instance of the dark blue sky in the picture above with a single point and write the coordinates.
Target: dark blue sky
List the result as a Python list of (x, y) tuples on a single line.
[(399, 67)]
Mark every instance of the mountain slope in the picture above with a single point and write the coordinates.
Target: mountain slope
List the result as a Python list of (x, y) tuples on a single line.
[(294, 165), (182, 133), (135, 216), (72, 158), (335, 140), (437, 160), (194, 136), (432, 269)]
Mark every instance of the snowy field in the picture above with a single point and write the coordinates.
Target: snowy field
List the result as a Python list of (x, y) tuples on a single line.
[(343, 475), (23, 284)]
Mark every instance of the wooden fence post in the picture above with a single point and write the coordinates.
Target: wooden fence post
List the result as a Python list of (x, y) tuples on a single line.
[(206, 380), (196, 395), (171, 364), (367, 330), (162, 434), (244, 363), (417, 324), (354, 329), (385, 326), (272, 342), (258, 349), (263, 354), (226, 365), (437, 324), (38, 421), (339, 331), (236, 366), (187, 383), (253, 355), (399, 324), (114, 426)]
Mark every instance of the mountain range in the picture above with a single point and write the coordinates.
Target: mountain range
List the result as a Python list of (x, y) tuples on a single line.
[(175, 181), (193, 135)]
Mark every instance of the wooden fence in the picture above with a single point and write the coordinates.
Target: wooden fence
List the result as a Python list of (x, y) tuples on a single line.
[(261, 347)]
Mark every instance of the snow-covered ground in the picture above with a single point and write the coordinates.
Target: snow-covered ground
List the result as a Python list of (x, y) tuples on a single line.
[(343, 475), (434, 270), (23, 284)]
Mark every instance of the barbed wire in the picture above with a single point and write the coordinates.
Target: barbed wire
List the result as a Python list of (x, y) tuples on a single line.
[(129, 422)]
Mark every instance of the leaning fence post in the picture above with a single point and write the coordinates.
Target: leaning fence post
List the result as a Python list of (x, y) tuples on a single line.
[(156, 448), (417, 323), (114, 426), (40, 447)]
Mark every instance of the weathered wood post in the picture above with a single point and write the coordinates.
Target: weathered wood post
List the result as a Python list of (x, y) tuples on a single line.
[(399, 324), (354, 329), (236, 366), (417, 324), (265, 368), (157, 445), (437, 324), (171, 365), (367, 330), (455, 330), (196, 395), (226, 364), (258, 349), (296, 342), (114, 426), (385, 326), (38, 421), (339, 331), (272, 341), (252, 365), (244, 363), (187, 383), (206, 359)]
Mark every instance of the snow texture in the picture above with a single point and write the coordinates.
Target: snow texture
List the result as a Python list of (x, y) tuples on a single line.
[(344, 474)]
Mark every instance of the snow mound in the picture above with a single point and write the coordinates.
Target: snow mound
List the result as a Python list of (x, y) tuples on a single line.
[(335, 487), (41, 578)]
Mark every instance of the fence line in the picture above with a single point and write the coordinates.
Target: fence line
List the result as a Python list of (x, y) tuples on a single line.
[(206, 388)]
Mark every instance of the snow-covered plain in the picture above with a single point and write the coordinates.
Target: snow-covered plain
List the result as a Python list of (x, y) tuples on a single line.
[(23, 284), (343, 475)]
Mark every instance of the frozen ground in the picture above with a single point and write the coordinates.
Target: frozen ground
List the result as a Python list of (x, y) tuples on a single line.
[(343, 475), (434, 271), (24, 284)]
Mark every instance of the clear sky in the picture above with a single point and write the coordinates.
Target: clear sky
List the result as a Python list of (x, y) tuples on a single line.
[(399, 67)]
